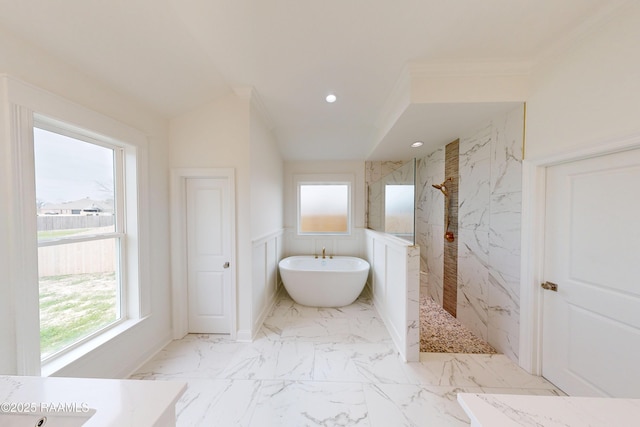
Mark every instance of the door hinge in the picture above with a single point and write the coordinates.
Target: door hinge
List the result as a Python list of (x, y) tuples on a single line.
[(550, 286)]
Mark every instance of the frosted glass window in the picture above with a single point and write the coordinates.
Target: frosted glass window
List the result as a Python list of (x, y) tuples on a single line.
[(398, 207), (323, 208)]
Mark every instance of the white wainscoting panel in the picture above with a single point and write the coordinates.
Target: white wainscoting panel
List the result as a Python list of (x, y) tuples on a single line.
[(395, 275), (266, 253)]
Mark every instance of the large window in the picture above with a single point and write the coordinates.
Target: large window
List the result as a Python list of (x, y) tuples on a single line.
[(80, 223), (74, 234), (324, 208)]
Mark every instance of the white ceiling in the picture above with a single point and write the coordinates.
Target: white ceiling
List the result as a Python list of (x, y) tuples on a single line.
[(175, 55)]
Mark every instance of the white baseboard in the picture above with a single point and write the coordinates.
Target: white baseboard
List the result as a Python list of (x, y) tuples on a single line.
[(146, 357)]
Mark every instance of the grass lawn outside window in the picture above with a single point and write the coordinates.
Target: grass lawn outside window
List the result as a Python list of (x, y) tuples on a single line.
[(74, 306)]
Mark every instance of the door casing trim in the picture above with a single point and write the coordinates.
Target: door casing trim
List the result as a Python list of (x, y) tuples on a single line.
[(179, 300)]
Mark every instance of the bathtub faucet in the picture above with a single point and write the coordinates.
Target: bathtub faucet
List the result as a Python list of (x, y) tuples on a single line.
[(323, 256)]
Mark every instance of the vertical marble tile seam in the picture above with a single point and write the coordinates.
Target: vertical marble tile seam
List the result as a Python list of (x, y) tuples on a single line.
[(504, 234), (503, 294), (504, 256), (503, 335), (506, 153), (474, 195), (435, 290), (476, 146), (504, 316), (473, 281), (472, 311)]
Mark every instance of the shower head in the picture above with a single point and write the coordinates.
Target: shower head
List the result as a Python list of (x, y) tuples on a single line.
[(442, 187)]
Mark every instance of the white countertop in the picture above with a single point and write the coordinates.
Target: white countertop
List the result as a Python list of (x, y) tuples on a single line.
[(501, 410), (119, 403)]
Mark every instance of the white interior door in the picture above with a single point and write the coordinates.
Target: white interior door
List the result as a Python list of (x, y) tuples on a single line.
[(208, 255), (591, 324)]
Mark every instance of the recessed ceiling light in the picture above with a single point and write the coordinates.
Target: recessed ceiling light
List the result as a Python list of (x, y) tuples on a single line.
[(417, 144), (331, 98)]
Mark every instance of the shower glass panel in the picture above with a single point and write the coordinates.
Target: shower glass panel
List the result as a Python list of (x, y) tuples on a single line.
[(391, 203)]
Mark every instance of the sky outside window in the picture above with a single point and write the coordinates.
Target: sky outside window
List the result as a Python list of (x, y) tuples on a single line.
[(68, 169)]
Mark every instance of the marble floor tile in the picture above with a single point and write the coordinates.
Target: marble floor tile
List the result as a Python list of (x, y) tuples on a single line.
[(217, 403), (310, 404), (368, 329), (316, 330), (403, 405), (195, 356), (272, 360), (326, 367), (365, 363)]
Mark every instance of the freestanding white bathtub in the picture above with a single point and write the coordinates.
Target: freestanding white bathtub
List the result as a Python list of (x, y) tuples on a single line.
[(328, 282)]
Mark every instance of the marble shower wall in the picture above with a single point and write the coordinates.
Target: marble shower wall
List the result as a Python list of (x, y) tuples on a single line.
[(505, 212), (489, 211), (430, 224)]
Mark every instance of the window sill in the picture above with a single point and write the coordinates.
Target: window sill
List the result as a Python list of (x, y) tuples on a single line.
[(56, 364)]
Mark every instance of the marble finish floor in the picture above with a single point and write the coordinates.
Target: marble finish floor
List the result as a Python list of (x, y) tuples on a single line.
[(327, 367)]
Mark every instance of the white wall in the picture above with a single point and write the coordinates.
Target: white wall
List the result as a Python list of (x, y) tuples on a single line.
[(267, 206), (122, 355), (339, 245), (589, 94), (217, 136), (231, 133)]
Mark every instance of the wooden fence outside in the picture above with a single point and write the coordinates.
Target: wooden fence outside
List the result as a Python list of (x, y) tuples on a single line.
[(76, 258), (68, 222)]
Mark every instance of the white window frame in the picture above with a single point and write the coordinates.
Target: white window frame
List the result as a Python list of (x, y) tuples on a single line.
[(119, 233), (325, 179), (23, 105)]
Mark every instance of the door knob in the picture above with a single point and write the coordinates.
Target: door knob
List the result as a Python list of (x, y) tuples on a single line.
[(550, 286), (226, 264)]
